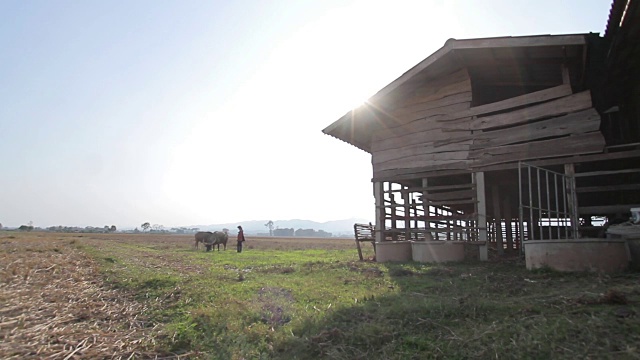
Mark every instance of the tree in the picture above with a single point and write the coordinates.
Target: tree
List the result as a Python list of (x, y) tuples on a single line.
[(112, 228), (145, 226), (284, 232), (25, 228), (269, 225), (0, 226)]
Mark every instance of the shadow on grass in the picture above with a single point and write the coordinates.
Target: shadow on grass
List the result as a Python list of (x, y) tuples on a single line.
[(475, 310), (158, 283)]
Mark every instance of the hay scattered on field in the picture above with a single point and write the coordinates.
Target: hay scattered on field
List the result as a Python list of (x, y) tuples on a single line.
[(55, 305), (275, 305)]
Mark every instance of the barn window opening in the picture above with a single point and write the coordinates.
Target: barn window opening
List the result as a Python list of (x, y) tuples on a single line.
[(494, 83)]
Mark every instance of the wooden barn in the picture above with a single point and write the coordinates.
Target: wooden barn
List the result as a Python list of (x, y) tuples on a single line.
[(509, 139)]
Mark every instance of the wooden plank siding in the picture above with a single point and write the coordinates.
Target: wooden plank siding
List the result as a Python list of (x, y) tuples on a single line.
[(564, 105), (436, 128), (412, 143)]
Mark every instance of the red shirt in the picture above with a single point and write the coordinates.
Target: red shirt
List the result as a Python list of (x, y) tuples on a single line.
[(240, 236)]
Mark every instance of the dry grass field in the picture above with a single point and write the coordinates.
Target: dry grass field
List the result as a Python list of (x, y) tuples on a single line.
[(146, 296), (183, 242), (57, 304)]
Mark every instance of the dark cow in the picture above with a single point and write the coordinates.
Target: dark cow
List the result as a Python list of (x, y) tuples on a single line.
[(203, 237), (220, 237), (212, 238)]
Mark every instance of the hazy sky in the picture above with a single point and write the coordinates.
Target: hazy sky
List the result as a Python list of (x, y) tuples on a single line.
[(200, 112)]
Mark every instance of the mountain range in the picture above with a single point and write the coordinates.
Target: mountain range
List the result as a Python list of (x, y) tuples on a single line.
[(336, 227)]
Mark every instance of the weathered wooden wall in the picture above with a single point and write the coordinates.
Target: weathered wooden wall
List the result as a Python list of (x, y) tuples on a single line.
[(414, 142), (439, 130)]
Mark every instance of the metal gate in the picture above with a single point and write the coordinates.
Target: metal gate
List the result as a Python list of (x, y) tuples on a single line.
[(547, 204)]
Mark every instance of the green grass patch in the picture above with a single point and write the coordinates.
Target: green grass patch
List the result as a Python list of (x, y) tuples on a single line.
[(270, 303)]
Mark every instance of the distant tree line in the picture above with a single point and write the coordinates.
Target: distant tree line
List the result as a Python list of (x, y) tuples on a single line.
[(301, 232), (87, 229), (185, 230), (157, 228)]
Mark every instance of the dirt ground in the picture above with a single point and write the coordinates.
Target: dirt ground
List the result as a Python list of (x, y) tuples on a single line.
[(55, 305)]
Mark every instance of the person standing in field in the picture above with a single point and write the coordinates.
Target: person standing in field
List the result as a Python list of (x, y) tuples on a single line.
[(241, 238)]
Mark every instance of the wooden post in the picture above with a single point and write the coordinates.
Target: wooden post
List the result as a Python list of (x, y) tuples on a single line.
[(572, 199), (394, 214), (518, 234), (481, 213), (407, 208), (506, 205), (566, 79), (378, 194), (414, 206), (449, 226), (495, 195), (425, 201)]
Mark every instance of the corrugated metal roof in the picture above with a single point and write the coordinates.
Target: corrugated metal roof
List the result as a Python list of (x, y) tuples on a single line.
[(615, 16)]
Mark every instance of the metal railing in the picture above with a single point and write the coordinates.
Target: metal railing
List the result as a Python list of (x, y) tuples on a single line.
[(546, 204)]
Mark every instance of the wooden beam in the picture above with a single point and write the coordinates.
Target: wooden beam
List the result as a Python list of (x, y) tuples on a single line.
[(568, 104), (572, 198), (425, 205), (576, 123), (426, 124), (527, 99), (441, 187), (450, 195), (407, 224), (419, 138), (405, 117), (606, 209), (419, 105), (453, 202), (450, 217), (570, 145), (607, 188), (423, 160), (566, 79), (457, 229), (608, 172), (399, 154), (468, 167), (481, 211), (378, 193)]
